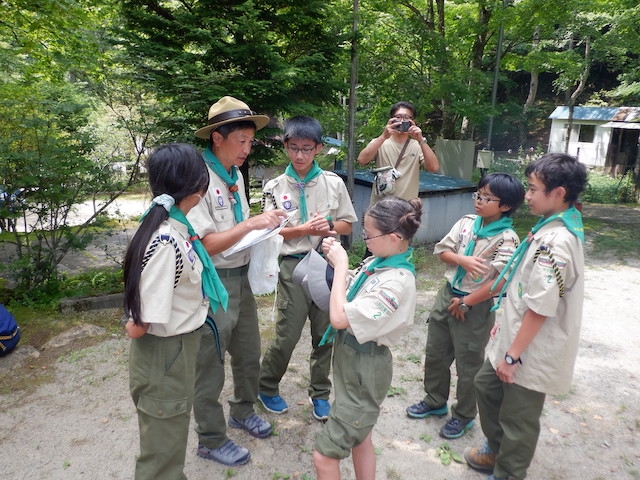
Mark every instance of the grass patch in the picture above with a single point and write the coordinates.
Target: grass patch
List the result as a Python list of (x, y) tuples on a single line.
[(617, 239)]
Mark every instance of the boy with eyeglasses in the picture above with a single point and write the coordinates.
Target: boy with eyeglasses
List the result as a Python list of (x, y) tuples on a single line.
[(534, 351), (386, 150), (322, 208), (475, 250)]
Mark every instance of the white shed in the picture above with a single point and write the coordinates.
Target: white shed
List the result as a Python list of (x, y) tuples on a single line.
[(604, 137)]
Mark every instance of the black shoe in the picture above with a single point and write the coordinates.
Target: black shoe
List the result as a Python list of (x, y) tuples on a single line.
[(422, 410)]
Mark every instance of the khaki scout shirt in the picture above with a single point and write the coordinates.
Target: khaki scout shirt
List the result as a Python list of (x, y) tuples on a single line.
[(496, 251), (384, 306), (215, 214), (548, 362), (326, 194), (171, 293)]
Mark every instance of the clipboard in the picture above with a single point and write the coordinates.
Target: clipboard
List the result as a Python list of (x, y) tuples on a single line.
[(257, 236)]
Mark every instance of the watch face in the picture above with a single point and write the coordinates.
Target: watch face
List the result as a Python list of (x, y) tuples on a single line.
[(463, 307), (509, 359)]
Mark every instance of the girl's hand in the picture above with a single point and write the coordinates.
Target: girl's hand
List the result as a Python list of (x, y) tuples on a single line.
[(334, 252), (136, 331)]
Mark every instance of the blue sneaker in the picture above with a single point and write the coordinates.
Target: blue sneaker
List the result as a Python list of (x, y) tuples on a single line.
[(321, 408), (455, 428), (254, 426), (228, 454), (422, 410), (275, 404)]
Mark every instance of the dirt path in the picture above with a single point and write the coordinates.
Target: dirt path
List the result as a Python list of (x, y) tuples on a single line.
[(83, 425)]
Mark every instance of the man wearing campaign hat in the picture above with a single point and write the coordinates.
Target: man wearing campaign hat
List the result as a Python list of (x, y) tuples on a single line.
[(221, 219)]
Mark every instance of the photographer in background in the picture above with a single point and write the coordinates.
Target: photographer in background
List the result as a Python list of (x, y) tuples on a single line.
[(403, 147)]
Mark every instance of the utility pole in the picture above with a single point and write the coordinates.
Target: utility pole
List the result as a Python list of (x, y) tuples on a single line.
[(353, 84), (496, 74)]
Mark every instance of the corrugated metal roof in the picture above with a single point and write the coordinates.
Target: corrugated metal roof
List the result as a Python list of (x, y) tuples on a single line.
[(602, 114), (623, 125)]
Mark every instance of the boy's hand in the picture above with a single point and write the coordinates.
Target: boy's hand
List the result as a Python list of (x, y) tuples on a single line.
[(474, 266), (320, 226), (454, 309), (506, 372), (494, 330)]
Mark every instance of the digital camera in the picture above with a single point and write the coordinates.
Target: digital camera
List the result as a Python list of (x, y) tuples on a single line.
[(403, 126)]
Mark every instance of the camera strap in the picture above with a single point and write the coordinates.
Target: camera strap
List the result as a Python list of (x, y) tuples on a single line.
[(402, 152)]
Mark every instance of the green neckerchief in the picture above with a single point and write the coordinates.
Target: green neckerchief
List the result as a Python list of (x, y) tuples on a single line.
[(572, 220), (211, 283), (311, 174), (230, 179), (479, 231), (400, 260)]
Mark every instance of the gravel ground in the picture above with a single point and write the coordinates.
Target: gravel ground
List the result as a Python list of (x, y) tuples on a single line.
[(82, 424)]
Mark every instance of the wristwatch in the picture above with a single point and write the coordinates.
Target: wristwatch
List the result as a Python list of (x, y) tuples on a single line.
[(330, 222), (463, 306), (424, 141), (510, 360)]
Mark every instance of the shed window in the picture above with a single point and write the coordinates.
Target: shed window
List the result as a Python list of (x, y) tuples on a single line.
[(587, 133)]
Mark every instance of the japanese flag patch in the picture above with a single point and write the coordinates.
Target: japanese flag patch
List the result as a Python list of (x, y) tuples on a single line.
[(285, 200)]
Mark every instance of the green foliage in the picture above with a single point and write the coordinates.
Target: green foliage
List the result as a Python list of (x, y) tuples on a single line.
[(603, 188), (93, 282), (393, 391), (426, 438), (356, 253), (280, 476), (618, 239), (277, 57), (448, 455)]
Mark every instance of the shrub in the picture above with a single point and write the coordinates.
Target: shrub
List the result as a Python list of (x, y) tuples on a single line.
[(602, 188)]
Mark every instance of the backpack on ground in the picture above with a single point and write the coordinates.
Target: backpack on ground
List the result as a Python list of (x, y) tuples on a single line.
[(9, 331)]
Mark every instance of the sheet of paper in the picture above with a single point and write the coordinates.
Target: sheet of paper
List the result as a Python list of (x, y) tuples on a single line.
[(255, 236)]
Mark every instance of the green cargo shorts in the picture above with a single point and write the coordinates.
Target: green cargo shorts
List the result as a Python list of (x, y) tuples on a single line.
[(362, 376)]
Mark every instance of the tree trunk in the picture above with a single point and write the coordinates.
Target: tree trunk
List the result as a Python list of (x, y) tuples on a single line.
[(579, 89), (533, 91)]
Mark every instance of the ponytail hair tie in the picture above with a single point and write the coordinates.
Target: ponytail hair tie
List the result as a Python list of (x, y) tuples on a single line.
[(165, 200)]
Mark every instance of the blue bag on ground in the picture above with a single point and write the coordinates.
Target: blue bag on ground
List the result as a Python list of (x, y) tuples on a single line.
[(9, 331)]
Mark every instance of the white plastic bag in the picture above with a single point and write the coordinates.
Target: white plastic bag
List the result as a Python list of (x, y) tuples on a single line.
[(263, 267)]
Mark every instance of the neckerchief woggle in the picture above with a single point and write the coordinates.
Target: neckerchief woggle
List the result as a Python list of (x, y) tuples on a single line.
[(479, 231), (400, 260), (231, 179), (572, 220), (311, 174)]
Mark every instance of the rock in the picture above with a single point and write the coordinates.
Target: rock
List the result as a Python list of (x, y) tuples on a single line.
[(82, 304), (81, 331)]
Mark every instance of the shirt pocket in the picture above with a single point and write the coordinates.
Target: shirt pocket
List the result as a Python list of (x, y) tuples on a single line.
[(224, 219), (327, 206)]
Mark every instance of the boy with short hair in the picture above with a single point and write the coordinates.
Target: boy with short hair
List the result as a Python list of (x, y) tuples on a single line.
[(535, 349), (475, 251), (324, 209)]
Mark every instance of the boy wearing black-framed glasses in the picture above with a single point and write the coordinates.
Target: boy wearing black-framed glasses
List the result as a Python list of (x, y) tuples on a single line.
[(475, 251)]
